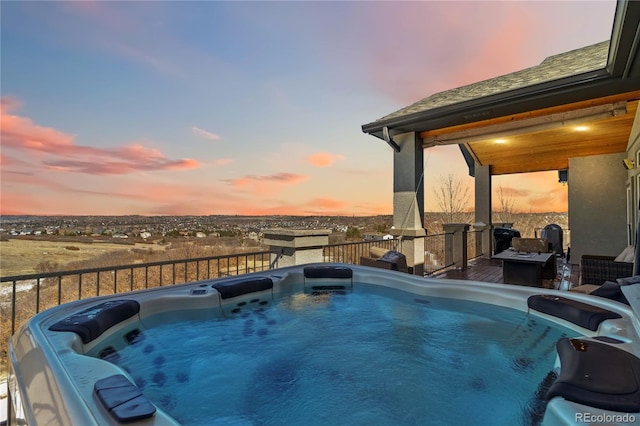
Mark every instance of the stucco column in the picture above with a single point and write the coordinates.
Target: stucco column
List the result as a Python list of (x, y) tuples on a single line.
[(457, 253), (483, 207), (291, 247), (408, 199)]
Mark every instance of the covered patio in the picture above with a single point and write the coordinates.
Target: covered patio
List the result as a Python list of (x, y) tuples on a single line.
[(575, 113)]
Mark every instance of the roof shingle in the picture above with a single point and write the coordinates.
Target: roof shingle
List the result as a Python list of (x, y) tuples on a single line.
[(567, 64)]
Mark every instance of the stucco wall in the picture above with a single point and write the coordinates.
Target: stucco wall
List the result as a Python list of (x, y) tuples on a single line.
[(597, 205), (633, 182)]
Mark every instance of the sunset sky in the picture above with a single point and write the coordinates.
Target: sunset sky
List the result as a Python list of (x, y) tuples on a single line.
[(197, 108)]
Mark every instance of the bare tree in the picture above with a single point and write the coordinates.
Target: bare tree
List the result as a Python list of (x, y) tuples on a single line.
[(452, 196), (507, 205)]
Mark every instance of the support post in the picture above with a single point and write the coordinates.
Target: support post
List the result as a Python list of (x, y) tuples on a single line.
[(408, 199), (483, 206)]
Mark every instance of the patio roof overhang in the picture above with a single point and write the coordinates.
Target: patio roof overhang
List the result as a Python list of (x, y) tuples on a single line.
[(535, 127), (544, 139)]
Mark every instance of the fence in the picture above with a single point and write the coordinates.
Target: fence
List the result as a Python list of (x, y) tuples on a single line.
[(352, 252), (436, 247)]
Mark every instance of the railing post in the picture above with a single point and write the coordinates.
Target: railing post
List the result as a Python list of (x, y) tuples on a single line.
[(483, 239), (457, 254), (296, 246)]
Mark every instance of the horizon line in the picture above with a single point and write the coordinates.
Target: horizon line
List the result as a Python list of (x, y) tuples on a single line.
[(255, 215)]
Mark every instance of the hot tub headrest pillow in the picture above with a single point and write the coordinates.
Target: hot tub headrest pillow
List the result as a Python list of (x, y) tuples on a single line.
[(92, 322)]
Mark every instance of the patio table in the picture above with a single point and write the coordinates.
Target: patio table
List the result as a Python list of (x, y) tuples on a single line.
[(524, 268)]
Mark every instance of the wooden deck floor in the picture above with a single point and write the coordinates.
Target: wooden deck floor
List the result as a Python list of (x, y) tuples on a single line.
[(485, 269)]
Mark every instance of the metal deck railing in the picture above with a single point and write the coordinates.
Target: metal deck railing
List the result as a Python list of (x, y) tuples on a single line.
[(32, 293)]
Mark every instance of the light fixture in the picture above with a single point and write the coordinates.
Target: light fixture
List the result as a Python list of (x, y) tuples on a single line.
[(501, 141), (581, 128), (563, 176), (628, 163)]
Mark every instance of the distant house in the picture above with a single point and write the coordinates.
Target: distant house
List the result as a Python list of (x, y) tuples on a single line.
[(200, 235), (144, 235)]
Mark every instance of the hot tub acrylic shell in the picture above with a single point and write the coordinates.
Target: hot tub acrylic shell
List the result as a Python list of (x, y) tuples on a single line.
[(51, 378)]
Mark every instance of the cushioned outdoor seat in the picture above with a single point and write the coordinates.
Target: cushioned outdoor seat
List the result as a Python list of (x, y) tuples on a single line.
[(597, 270)]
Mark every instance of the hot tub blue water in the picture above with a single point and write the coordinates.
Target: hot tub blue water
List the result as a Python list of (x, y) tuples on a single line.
[(352, 358), (327, 344)]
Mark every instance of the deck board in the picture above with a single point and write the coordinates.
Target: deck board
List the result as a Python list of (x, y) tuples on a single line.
[(487, 270)]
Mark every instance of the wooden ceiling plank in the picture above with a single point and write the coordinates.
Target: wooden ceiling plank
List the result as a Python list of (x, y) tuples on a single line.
[(629, 96)]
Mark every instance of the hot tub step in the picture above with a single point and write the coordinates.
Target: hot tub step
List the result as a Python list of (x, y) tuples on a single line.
[(123, 399)]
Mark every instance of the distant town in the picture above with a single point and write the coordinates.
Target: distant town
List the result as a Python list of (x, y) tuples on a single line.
[(136, 227), (144, 228)]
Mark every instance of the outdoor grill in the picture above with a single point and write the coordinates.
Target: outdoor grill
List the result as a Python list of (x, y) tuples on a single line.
[(503, 237)]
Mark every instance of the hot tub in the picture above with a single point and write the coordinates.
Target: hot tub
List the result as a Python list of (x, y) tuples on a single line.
[(327, 344)]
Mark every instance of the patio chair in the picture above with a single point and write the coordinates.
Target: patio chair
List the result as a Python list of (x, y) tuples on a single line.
[(389, 259), (609, 289), (597, 270), (603, 275)]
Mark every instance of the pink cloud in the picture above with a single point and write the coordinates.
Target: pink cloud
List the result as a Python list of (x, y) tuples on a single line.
[(535, 192), (465, 42), (8, 103), (266, 184), (60, 153), (222, 161), (323, 159), (117, 167), (30, 179), (143, 56), (275, 178), (7, 161), (508, 191), (12, 203), (327, 203), (204, 134), (316, 206)]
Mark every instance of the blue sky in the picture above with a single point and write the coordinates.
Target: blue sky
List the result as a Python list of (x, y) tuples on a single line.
[(248, 107)]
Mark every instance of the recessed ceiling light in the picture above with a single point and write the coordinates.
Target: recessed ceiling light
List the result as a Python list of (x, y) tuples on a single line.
[(581, 128), (501, 141)]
